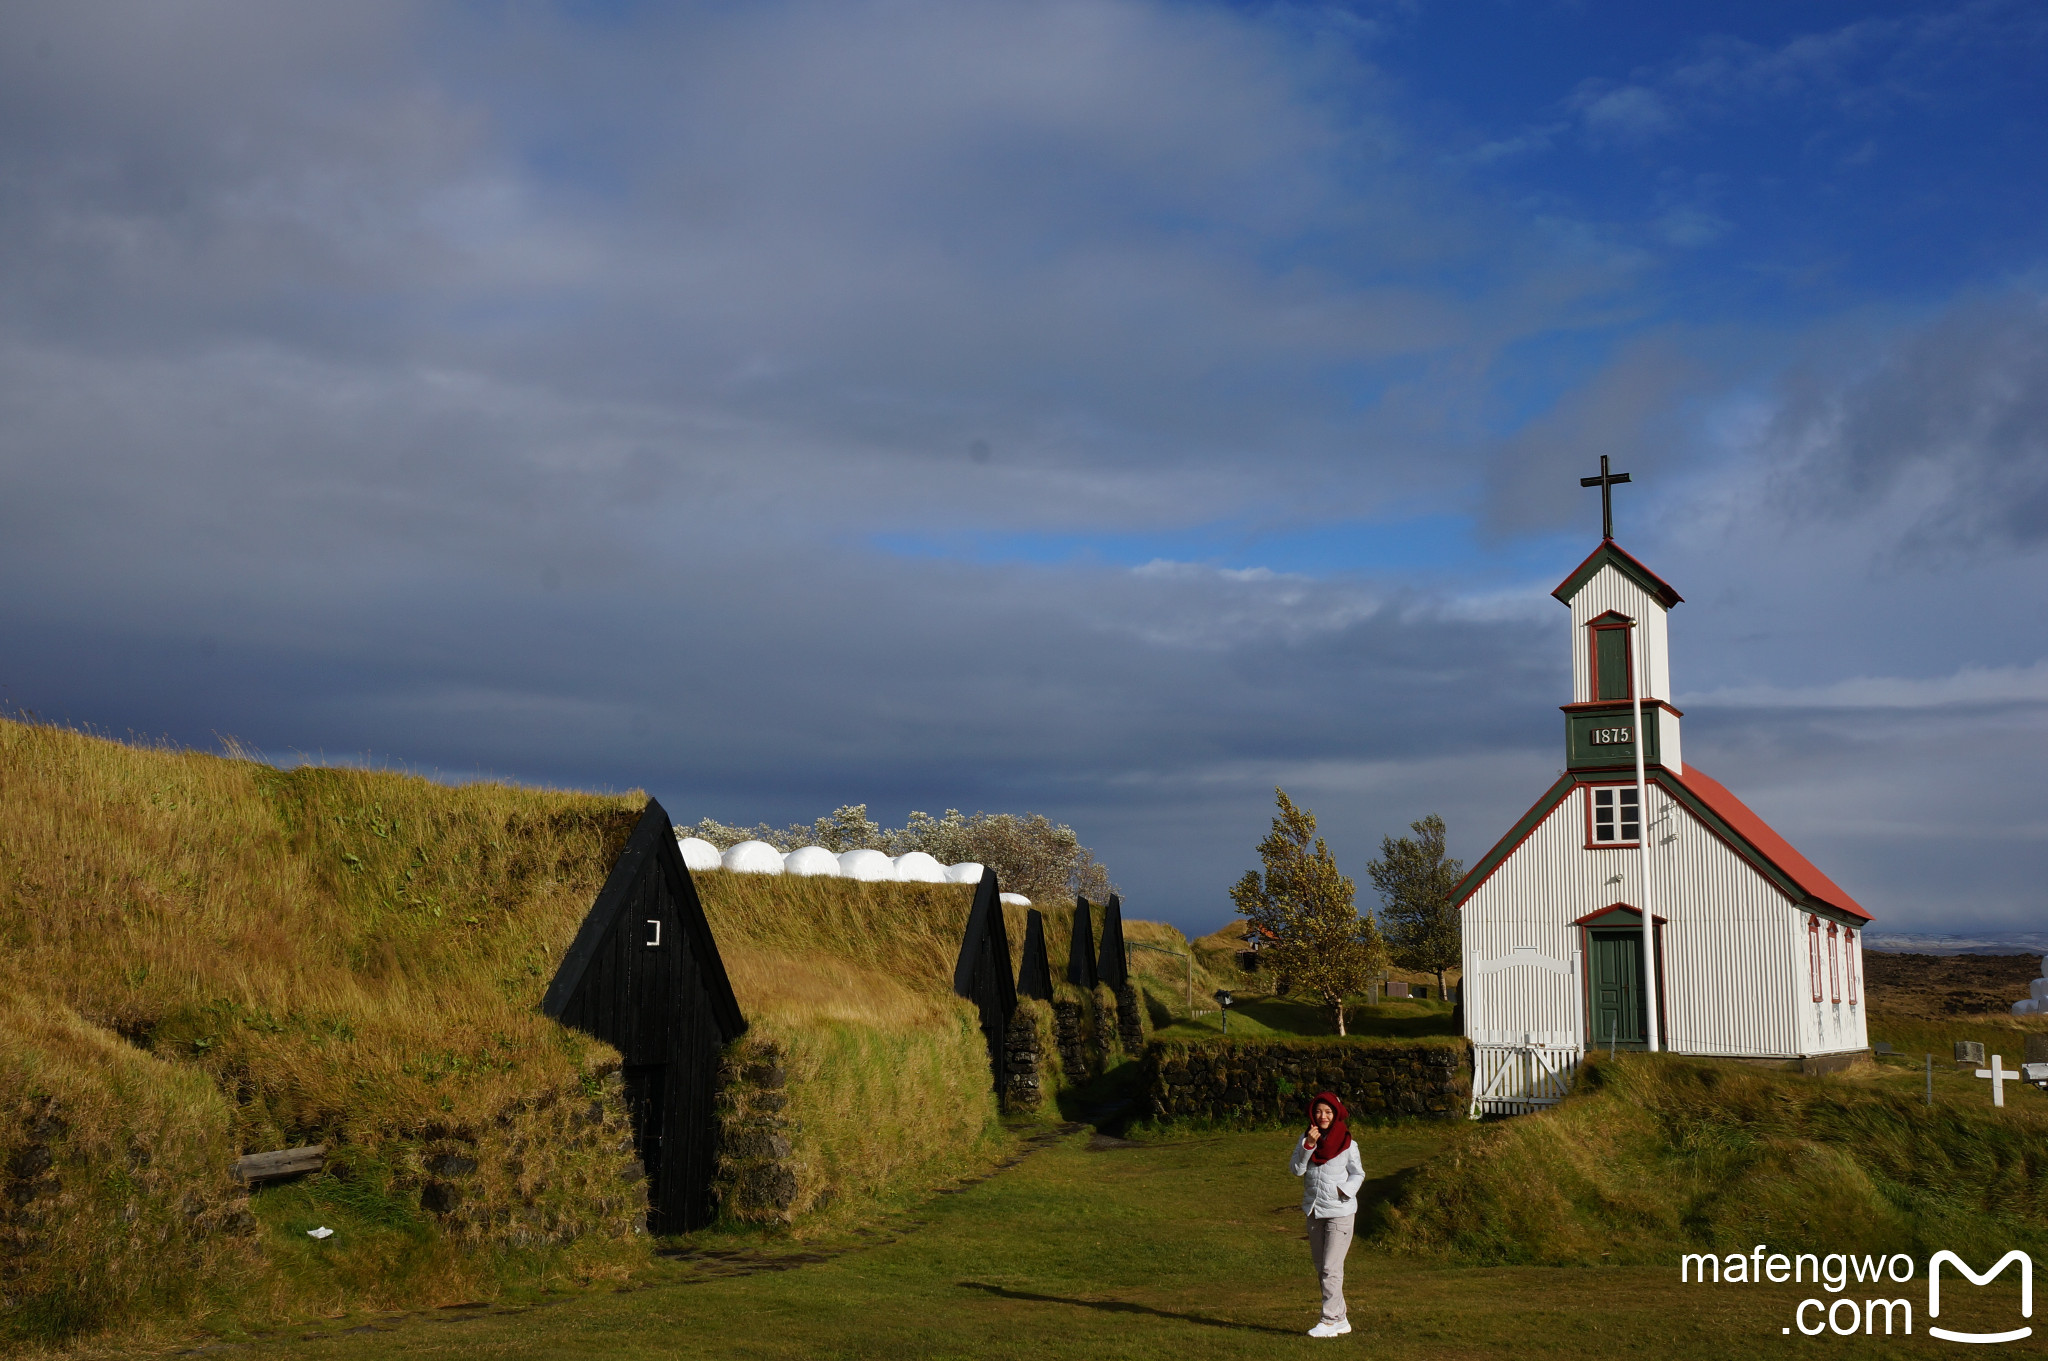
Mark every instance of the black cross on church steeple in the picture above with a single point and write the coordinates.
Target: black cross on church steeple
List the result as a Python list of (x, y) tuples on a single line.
[(1605, 482)]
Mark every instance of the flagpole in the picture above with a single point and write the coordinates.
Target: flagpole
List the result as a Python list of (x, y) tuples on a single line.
[(1635, 692)]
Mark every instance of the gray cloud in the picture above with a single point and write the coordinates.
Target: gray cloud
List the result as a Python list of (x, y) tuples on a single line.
[(524, 396), (1948, 434)]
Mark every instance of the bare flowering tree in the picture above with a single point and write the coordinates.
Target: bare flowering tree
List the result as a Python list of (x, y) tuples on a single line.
[(1030, 853)]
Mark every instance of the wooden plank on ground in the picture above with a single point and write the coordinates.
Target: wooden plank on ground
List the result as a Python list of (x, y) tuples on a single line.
[(283, 1162)]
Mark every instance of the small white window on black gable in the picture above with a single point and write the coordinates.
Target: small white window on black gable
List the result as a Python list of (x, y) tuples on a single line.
[(1616, 819)]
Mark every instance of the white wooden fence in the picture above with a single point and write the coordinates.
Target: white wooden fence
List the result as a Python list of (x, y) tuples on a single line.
[(1527, 1073)]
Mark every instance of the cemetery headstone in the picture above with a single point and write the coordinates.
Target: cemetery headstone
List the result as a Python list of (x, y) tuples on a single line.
[(2037, 1048), (1397, 989), (1969, 1054)]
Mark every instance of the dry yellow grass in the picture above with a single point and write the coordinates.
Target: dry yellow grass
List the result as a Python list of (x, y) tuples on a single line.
[(890, 1084), (218, 957), (206, 956)]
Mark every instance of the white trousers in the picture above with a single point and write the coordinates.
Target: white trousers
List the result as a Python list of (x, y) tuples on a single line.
[(1328, 1241)]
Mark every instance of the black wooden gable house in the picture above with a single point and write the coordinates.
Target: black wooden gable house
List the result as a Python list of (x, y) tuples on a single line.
[(1114, 968), (1081, 948), (1034, 974), (643, 975), (982, 973)]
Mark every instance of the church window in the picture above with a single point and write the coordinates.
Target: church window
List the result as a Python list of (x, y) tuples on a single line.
[(1615, 818), (1611, 661), (1834, 968), (1813, 953), (1849, 962)]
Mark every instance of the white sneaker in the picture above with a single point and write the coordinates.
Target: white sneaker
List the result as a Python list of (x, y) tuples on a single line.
[(1327, 1329), (1344, 1327)]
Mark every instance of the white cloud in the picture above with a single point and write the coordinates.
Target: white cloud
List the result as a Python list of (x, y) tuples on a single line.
[(1968, 687)]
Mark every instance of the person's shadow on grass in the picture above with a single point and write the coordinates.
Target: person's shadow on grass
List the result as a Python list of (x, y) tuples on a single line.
[(1123, 1307)]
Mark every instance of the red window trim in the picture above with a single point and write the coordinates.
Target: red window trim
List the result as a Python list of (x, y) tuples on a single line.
[(1593, 632), (1834, 966), (1849, 962), (1593, 845), (1813, 953)]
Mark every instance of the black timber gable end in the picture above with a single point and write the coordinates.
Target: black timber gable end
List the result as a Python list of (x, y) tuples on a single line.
[(644, 975), (982, 973)]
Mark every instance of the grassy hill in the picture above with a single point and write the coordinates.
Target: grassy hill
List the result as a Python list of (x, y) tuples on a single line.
[(1654, 1155), (207, 956)]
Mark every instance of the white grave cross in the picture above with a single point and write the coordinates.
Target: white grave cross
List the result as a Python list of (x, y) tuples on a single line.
[(1999, 1074)]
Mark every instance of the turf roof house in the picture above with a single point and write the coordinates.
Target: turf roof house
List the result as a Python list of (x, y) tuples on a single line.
[(1758, 954)]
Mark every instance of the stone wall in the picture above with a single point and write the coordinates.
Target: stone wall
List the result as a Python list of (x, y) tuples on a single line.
[(1070, 1034), (1130, 1019), (756, 1178), (1272, 1080), (1023, 1087)]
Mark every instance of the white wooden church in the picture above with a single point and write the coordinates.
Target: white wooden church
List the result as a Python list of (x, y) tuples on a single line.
[(1755, 952)]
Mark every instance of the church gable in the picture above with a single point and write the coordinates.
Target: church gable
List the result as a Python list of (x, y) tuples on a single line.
[(1612, 555), (1712, 808), (1483, 868)]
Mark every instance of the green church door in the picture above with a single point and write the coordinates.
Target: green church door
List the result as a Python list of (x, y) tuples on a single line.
[(1617, 986)]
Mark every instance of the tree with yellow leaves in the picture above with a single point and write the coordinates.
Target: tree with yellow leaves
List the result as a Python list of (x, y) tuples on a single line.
[(1305, 910)]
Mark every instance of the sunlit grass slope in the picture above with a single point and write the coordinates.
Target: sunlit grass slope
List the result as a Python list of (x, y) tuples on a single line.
[(890, 1086), (1657, 1155), (207, 956)]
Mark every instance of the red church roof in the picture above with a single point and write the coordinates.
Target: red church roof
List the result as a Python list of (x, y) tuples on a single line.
[(1767, 843)]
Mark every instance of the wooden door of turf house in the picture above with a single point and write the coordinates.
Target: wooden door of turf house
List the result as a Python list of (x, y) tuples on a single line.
[(643, 975), (982, 973)]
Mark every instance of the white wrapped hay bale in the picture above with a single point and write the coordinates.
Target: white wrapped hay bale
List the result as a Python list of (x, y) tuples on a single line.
[(919, 868), (1015, 899), (2037, 1003), (753, 857), (809, 860), (966, 872), (699, 854), (872, 866)]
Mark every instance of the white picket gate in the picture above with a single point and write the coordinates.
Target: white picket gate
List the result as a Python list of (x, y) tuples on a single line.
[(1515, 1078)]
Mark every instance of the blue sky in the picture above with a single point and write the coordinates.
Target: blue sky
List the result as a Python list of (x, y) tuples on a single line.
[(1103, 407)]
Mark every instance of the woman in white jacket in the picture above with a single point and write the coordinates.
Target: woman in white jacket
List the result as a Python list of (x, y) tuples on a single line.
[(1327, 1161)]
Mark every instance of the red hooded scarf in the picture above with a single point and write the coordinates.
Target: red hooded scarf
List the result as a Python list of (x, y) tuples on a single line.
[(1337, 1137)]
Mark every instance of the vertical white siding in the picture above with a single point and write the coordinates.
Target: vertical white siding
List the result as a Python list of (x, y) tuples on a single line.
[(1828, 1026), (1667, 738), (1610, 590), (1735, 979)]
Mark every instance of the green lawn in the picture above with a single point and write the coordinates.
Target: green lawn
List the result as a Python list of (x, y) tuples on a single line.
[(1095, 1248), (1267, 1018)]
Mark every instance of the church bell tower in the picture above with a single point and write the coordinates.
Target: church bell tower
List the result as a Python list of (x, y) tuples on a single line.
[(1620, 646)]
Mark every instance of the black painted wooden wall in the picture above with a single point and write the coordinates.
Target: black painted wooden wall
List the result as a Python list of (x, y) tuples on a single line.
[(1114, 968), (643, 975), (982, 973), (1081, 947), (1034, 974)]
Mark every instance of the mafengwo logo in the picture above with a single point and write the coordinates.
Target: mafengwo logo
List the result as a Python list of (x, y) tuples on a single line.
[(1847, 1314)]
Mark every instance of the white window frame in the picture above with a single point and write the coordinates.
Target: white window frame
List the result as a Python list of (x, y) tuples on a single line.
[(1619, 796)]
